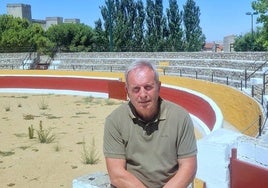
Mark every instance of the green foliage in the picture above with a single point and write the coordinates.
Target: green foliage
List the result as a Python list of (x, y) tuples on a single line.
[(31, 132), (90, 154), (71, 37), (15, 34), (43, 105), (7, 107), (249, 42), (126, 25), (194, 38), (57, 147), (174, 18), (261, 7), (28, 117), (6, 153), (44, 135)]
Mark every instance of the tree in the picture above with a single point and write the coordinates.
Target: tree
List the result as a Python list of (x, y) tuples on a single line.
[(194, 38), (261, 6), (15, 34), (156, 25), (101, 42), (124, 25), (71, 37), (175, 32), (41, 43), (108, 15), (243, 42), (138, 30)]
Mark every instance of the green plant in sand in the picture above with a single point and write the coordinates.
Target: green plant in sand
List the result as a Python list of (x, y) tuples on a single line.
[(7, 107), (45, 135), (31, 132), (43, 105), (90, 154)]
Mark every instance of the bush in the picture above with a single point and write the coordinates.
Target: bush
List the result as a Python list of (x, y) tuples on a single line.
[(44, 135)]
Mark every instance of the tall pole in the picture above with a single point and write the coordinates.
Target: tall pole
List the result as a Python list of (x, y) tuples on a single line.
[(252, 31), (110, 25)]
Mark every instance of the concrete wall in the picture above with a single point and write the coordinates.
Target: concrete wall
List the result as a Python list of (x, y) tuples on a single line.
[(225, 68)]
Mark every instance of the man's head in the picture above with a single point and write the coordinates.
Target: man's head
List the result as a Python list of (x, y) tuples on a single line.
[(143, 86)]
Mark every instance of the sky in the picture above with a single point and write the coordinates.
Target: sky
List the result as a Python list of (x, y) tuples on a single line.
[(219, 18)]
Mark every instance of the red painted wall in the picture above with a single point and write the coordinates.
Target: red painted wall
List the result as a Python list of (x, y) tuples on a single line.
[(66, 83), (244, 174), (116, 89), (194, 104)]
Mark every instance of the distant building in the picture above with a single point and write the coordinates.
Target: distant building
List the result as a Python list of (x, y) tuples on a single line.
[(71, 20), (228, 43), (20, 11), (24, 11), (53, 21), (212, 47)]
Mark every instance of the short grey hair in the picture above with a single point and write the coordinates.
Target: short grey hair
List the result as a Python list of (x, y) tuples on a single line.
[(142, 63)]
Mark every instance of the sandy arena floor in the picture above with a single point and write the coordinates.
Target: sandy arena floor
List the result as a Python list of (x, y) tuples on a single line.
[(73, 120)]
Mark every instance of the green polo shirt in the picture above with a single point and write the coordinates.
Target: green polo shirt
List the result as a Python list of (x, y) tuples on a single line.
[(151, 157)]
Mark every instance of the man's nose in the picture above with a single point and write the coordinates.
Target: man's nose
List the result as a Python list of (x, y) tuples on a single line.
[(143, 92)]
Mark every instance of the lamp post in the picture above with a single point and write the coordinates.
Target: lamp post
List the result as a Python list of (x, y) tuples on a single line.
[(252, 32)]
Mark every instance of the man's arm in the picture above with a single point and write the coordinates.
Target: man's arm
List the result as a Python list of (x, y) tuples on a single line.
[(119, 176), (185, 174)]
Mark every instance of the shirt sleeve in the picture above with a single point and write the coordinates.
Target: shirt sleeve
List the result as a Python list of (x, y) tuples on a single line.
[(187, 143), (113, 143)]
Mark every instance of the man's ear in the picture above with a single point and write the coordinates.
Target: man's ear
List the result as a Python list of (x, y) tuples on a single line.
[(159, 85), (126, 89), (127, 93)]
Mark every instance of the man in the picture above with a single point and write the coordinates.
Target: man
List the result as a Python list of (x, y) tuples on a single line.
[(149, 142)]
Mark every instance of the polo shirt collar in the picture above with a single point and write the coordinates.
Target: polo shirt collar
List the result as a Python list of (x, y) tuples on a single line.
[(161, 115)]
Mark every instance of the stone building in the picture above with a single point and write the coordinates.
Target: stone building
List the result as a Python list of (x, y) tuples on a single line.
[(228, 43), (24, 11), (20, 10)]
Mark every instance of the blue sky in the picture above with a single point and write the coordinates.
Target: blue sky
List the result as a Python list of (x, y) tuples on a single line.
[(219, 18)]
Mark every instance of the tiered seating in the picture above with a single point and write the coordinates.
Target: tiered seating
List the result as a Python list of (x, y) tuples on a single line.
[(227, 68)]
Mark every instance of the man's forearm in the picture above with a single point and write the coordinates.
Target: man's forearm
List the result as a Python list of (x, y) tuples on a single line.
[(185, 175), (126, 180), (119, 176)]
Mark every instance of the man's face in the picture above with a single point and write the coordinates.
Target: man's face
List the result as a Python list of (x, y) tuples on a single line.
[(143, 92)]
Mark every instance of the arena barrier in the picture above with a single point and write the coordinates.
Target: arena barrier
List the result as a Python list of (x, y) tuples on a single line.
[(203, 109)]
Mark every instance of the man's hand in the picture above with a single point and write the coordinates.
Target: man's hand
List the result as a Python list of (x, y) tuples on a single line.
[(119, 176), (185, 174)]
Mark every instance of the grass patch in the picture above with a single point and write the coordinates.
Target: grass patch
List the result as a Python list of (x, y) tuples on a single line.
[(22, 97), (81, 113), (57, 147), (31, 132), (83, 142), (89, 154), (24, 147), (45, 135), (53, 117), (50, 116), (43, 105), (88, 99), (7, 107), (20, 135), (6, 153), (109, 102), (28, 117), (11, 184)]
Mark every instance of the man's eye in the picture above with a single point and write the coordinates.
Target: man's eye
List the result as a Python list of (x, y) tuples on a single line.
[(136, 90), (148, 88)]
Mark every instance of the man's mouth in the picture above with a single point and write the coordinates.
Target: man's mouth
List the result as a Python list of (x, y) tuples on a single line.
[(144, 103)]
